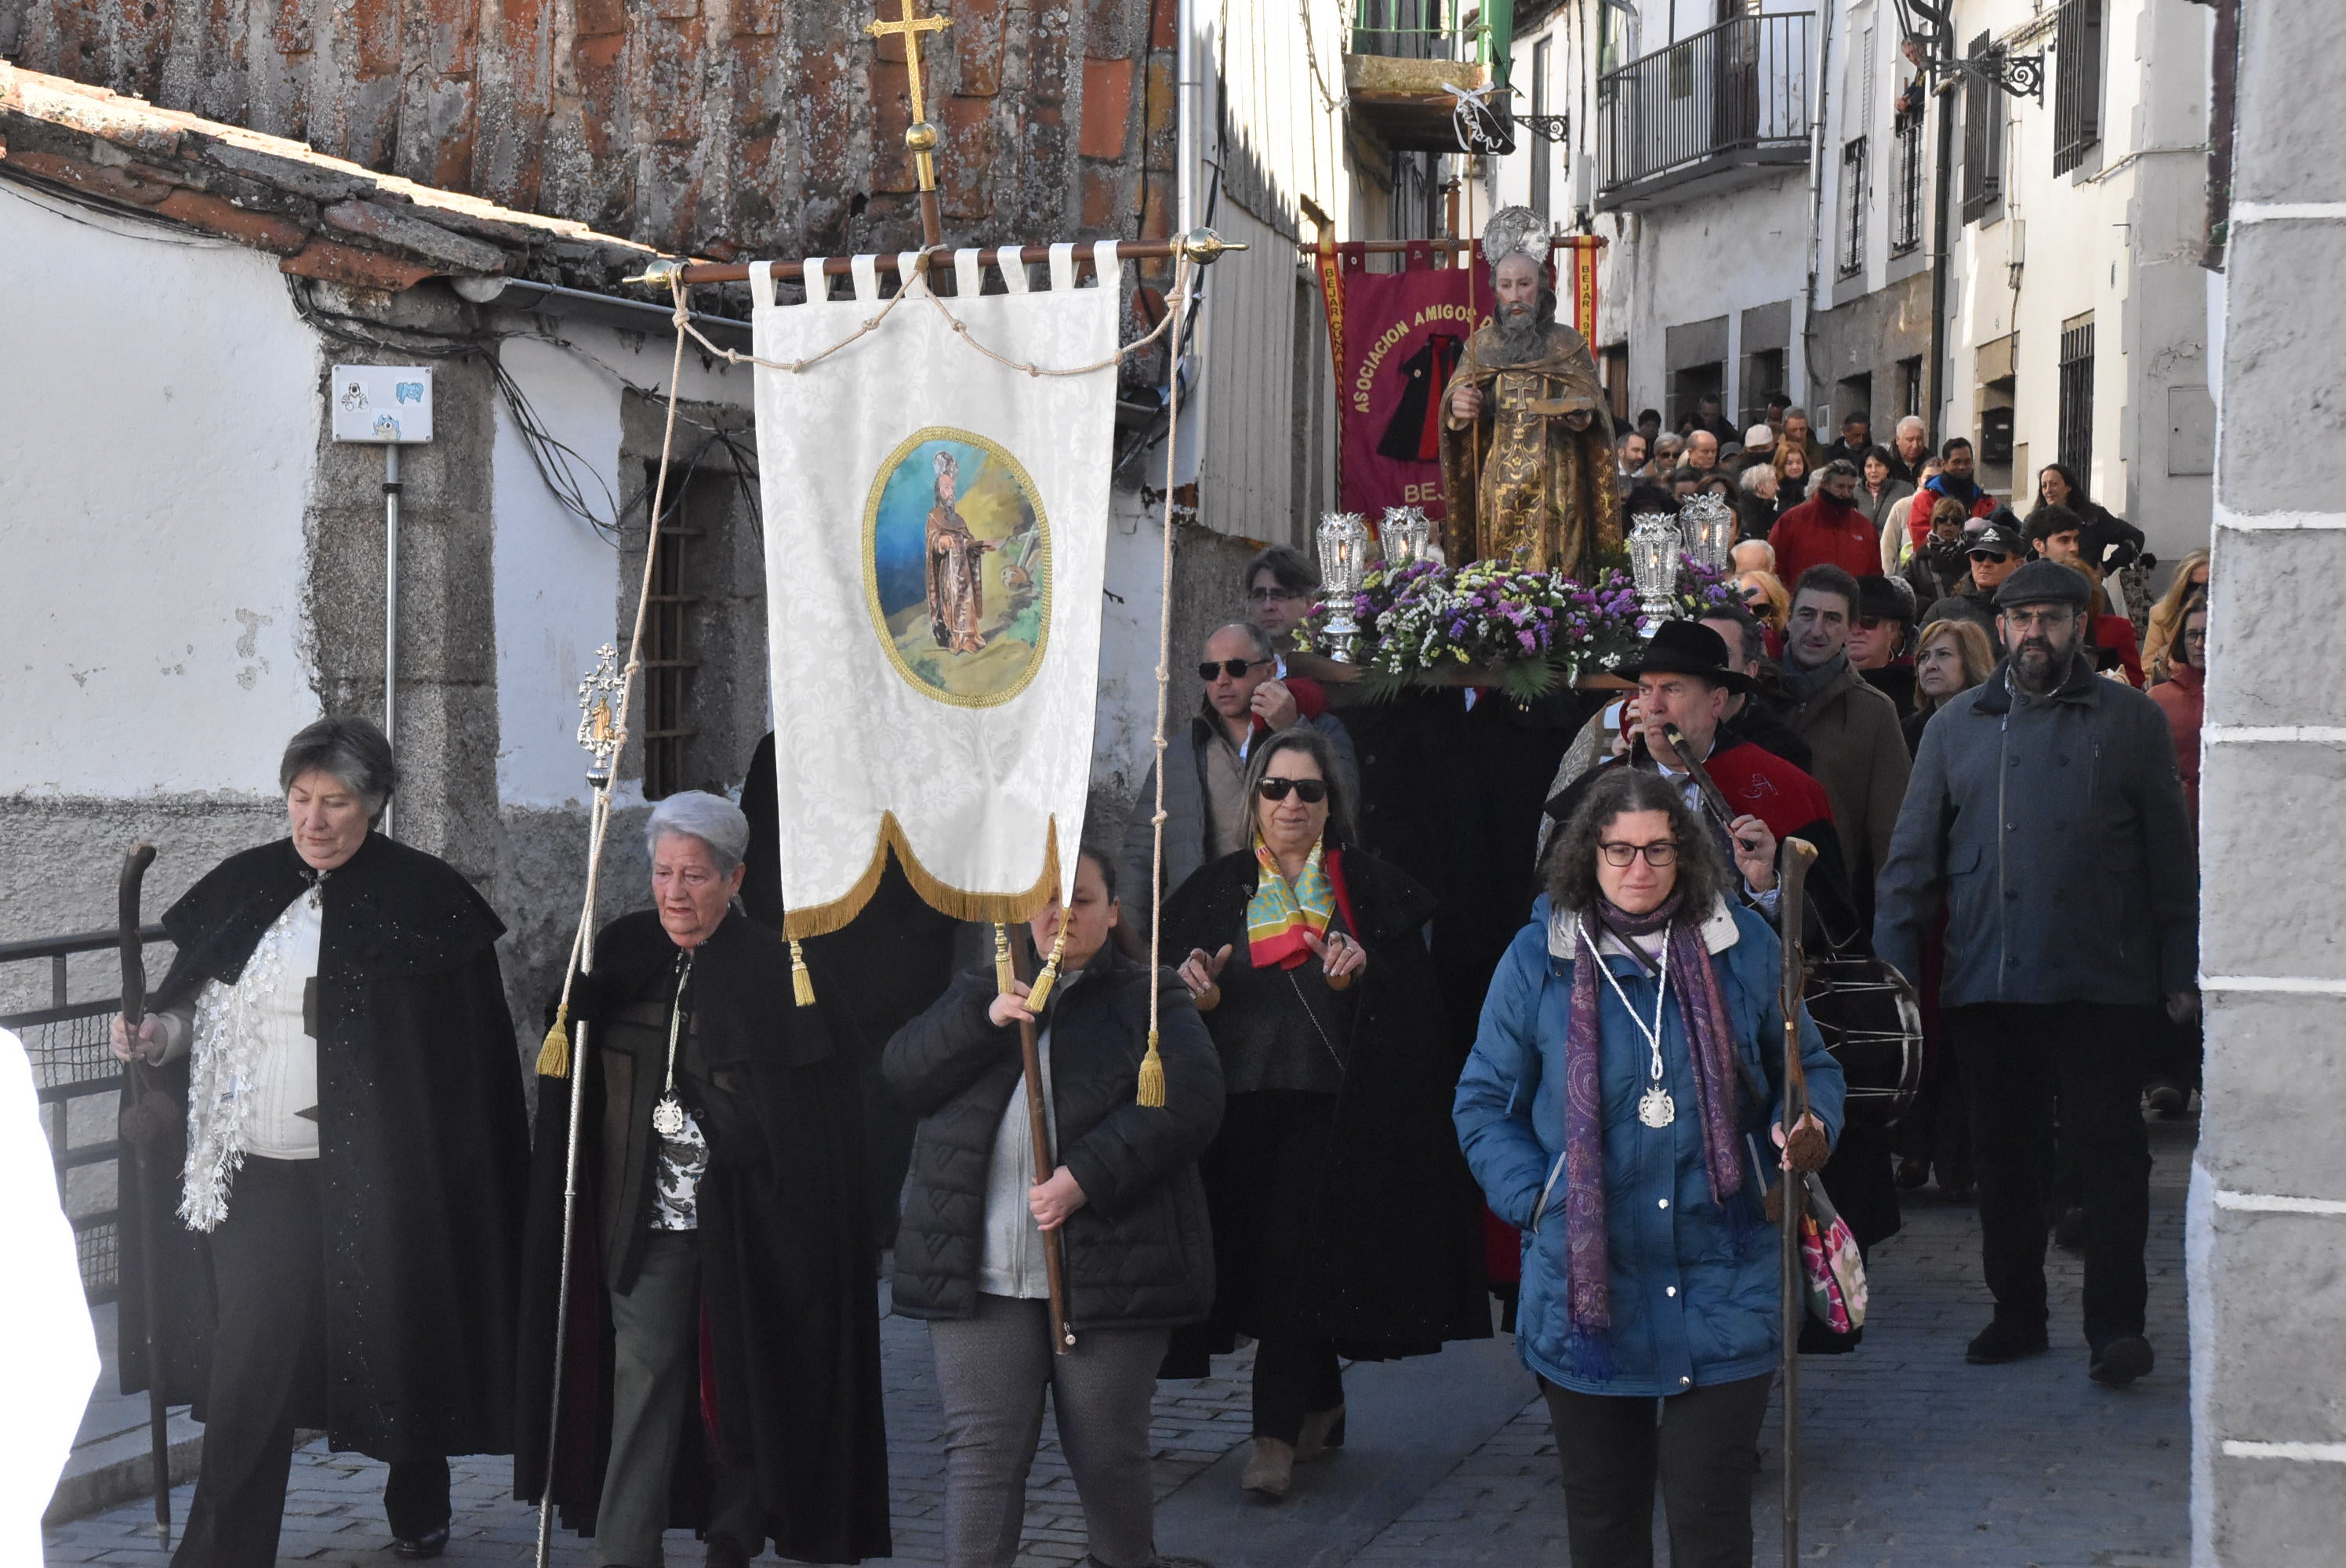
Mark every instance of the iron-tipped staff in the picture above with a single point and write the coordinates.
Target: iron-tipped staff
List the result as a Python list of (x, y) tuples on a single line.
[(151, 1111), (1791, 878)]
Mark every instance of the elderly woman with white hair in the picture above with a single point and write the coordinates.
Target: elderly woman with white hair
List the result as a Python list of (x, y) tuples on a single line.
[(344, 1247), (723, 1364)]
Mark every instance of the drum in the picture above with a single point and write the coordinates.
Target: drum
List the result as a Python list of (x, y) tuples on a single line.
[(1872, 1022)]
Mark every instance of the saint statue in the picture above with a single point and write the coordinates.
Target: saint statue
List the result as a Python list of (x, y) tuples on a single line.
[(955, 558), (1526, 441)]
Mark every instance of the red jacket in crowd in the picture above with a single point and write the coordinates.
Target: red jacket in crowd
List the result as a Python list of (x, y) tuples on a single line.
[(1823, 529), (2183, 697)]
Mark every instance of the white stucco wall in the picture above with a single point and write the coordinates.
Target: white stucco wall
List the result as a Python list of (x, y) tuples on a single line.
[(559, 594), (556, 577), (157, 435)]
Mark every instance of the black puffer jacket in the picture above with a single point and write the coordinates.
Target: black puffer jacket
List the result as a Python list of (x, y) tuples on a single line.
[(1138, 1253)]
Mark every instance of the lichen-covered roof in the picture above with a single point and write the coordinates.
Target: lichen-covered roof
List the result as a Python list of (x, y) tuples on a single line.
[(325, 217)]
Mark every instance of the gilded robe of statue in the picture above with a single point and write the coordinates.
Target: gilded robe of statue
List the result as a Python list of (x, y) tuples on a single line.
[(1518, 483)]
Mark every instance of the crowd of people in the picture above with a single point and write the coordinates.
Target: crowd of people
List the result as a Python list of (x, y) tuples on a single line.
[(1458, 998)]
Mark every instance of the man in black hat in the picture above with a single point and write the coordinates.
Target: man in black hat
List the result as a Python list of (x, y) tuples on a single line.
[(1685, 679), (1997, 549), (2045, 815)]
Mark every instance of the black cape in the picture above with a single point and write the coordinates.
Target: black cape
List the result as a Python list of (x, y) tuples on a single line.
[(789, 1351), (1398, 1265), (423, 1152), (892, 960)]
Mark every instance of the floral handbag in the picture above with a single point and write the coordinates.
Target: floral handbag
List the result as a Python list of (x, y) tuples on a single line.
[(1830, 1264)]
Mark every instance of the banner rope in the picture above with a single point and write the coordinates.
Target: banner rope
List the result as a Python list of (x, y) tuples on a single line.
[(1152, 1064), (735, 356)]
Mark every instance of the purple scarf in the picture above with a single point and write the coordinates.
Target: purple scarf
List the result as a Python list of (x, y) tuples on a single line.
[(1587, 1292)]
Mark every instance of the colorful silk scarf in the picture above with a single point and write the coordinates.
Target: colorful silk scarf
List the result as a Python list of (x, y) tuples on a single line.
[(1279, 916)]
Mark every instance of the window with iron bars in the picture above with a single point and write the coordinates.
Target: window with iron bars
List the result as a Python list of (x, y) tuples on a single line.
[(1982, 138), (1906, 201), (2076, 82), (1854, 198), (2076, 433), (668, 665)]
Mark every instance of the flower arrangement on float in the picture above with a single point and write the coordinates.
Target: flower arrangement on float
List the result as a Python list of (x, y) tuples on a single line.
[(1411, 620)]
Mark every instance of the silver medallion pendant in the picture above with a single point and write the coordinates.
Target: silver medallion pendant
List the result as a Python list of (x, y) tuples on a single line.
[(1655, 1108), (668, 1118)]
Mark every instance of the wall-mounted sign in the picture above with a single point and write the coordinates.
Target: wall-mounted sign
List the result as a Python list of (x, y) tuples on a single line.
[(384, 404)]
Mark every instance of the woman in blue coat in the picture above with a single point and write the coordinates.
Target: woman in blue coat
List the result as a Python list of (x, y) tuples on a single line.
[(1624, 1114)]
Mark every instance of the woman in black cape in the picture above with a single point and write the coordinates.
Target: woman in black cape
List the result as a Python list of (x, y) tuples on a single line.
[(339, 1249), (1346, 1224)]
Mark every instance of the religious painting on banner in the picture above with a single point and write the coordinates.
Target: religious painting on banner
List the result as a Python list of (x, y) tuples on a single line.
[(1397, 337), (935, 533)]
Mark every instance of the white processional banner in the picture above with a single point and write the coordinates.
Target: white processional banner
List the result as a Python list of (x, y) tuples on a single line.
[(935, 532)]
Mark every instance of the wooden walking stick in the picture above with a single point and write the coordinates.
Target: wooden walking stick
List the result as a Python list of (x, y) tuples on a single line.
[(151, 1111), (1039, 1125), (1791, 881)]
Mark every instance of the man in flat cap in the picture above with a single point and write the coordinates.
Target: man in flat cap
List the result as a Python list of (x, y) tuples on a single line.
[(2045, 813)]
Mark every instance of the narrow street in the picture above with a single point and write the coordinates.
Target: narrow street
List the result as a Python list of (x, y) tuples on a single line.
[(1914, 1458)]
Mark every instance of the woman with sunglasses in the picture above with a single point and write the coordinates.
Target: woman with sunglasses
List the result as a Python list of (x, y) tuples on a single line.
[(1624, 1105), (1345, 1223)]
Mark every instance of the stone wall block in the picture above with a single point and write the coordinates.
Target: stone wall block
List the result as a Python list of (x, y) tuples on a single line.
[(2272, 603), (2281, 152), (2280, 1321), (2275, 1074), (2281, 395), (2274, 885)]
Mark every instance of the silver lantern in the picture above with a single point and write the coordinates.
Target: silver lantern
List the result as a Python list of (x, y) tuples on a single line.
[(1655, 547), (1343, 541), (1406, 532), (1708, 523)]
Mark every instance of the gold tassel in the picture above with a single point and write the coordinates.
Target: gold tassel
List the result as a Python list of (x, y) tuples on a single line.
[(1045, 981), (553, 1056), (1152, 1078), (1003, 974), (801, 978)]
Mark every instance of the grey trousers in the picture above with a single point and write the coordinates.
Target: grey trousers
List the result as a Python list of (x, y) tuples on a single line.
[(992, 1372), (654, 1372)]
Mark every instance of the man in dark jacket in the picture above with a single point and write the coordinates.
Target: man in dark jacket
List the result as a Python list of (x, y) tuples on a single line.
[(2045, 815), (1851, 729)]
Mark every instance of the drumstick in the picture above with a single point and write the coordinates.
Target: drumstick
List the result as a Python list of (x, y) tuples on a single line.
[(1712, 796)]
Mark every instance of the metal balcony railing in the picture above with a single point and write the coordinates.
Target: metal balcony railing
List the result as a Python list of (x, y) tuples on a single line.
[(1737, 94), (1419, 30)]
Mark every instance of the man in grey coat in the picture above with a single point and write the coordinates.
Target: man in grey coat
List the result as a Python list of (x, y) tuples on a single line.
[(1205, 818), (2045, 813)]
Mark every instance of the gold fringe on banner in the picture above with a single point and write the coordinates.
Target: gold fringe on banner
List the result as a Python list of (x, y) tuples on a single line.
[(553, 1056), (802, 979), (821, 920)]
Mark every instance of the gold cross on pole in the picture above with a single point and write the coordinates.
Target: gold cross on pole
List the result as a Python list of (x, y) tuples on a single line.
[(920, 137)]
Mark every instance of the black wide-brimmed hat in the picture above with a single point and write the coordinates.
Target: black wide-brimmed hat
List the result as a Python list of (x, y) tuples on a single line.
[(1687, 647)]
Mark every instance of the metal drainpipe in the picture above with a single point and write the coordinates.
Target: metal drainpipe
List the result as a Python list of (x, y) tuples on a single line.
[(390, 611), (1816, 202), (1940, 202), (1184, 130)]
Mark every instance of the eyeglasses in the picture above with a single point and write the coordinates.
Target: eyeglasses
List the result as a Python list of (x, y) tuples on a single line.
[(1264, 595), (1659, 854), (1998, 556), (1236, 668), (1311, 790), (2028, 618)]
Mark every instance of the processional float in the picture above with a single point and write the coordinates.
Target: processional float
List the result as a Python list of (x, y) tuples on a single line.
[(934, 468)]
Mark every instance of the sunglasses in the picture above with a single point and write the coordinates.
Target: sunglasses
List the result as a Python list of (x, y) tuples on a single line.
[(1990, 556), (1312, 791), (1264, 595), (1236, 668), (1871, 622)]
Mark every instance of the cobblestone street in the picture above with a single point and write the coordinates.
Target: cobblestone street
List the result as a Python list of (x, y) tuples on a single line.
[(1912, 1458)]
